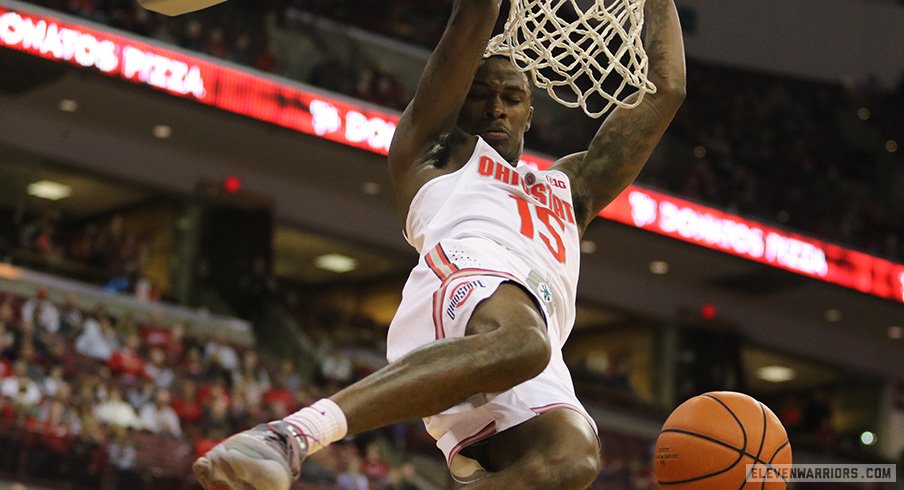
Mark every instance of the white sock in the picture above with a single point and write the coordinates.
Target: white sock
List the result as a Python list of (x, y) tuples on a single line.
[(322, 424)]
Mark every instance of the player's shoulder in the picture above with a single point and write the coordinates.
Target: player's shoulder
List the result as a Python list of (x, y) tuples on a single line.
[(445, 154), (569, 165)]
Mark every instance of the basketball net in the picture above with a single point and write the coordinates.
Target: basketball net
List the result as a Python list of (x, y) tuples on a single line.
[(595, 55)]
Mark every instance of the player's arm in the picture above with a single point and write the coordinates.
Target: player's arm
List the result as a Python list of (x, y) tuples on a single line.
[(444, 84), (627, 137)]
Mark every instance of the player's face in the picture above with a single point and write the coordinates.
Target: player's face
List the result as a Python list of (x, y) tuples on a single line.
[(498, 107)]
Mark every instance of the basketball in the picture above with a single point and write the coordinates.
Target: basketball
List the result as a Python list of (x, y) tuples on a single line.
[(708, 441)]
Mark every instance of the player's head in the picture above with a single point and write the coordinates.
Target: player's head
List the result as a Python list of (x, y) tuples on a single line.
[(498, 106)]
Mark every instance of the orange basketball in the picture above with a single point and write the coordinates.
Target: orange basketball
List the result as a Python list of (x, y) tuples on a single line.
[(708, 441)]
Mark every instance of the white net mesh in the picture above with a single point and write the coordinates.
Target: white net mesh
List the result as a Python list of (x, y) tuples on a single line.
[(589, 57)]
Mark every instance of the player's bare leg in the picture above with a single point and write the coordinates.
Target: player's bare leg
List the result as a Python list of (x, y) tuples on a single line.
[(506, 345), (558, 449)]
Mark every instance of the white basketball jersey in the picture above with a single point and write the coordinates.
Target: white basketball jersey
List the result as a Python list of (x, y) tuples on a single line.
[(527, 211)]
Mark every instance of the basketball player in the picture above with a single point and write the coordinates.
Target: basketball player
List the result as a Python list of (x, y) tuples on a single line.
[(475, 348)]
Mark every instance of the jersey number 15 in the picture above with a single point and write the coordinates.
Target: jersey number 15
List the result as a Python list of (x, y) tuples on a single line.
[(553, 242)]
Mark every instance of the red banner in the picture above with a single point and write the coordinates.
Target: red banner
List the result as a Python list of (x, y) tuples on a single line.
[(292, 106), (718, 230), (194, 77)]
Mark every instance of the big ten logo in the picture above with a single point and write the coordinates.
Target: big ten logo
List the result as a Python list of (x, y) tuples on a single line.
[(643, 208), (556, 182)]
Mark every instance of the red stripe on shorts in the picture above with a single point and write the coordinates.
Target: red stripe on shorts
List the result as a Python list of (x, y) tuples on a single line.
[(482, 434), (444, 267)]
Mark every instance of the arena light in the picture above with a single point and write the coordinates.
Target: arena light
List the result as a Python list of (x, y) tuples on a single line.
[(232, 184), (896, 332), (776, 374), (833, 315), (370, 188), (337, 263), (868, 438), (60, 38), (50, 190), (162, 131), (659, 267), (68, 105)]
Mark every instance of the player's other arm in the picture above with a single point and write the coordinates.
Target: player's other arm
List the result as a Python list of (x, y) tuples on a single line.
[(627, 137), (444, 84)]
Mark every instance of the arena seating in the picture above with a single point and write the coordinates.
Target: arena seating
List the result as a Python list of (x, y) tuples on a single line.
[(62, 418)]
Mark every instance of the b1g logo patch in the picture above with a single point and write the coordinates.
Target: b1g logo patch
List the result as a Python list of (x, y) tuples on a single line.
[(460, 294)]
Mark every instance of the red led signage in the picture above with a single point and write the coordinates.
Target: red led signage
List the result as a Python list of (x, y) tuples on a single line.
[(718, 230), (56, 37)]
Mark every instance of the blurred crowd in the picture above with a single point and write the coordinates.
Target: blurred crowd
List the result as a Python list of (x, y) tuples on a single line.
[(127, 402), (107, 253), (774, 149), (790, 152)]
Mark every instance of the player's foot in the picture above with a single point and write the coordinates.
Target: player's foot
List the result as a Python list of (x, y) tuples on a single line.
[(267, 457)]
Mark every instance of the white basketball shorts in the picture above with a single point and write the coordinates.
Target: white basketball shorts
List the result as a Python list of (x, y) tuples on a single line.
[(450, 280)]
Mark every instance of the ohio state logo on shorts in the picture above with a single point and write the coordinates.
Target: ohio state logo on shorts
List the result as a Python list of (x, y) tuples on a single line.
[(460, 295)]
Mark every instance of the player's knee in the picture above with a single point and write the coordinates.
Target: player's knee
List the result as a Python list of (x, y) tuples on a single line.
[(582, 470), (575, 469)]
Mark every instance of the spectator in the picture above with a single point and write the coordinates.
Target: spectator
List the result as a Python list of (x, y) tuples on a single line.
[(174, 348), (97, 340), (337, 367), (141, 394), (7, 340), (6, 368), (352, 478), (251, 370), (159, 417), (116, 412), (126, 361), (27, 353), (41, 312), (374, 467), (123, 456), (401, 478), (216, 415), (158, 371), (53, 382), (221, 354), (71, 317), (186, 405), (290, 375), (193, 364), (278, 398), (7, 311), (207, 441), (21, 389)]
